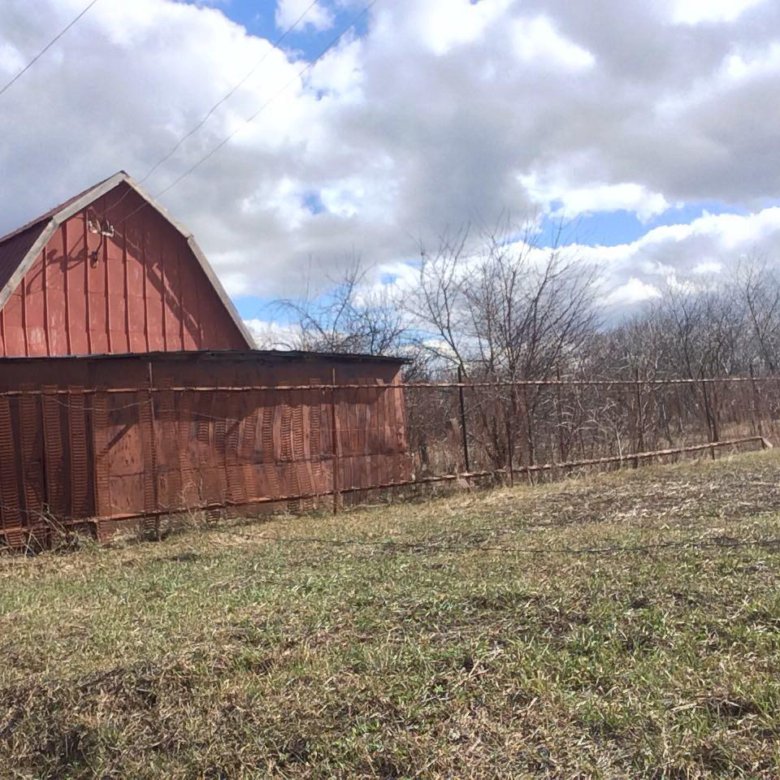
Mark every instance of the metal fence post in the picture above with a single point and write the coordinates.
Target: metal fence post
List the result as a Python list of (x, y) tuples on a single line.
[(336, 446), (510, 454), (463, 430), (758, 426), (640, 422), (153, 451)]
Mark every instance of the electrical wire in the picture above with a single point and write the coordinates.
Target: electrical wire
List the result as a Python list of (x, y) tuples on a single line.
[(43, 51), (309, 66), (227, 95), (205, 118)]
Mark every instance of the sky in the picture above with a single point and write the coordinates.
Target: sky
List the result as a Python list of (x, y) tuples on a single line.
[(649, 128)]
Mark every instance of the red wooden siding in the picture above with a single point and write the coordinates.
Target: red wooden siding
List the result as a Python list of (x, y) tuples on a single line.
[(141, 290)]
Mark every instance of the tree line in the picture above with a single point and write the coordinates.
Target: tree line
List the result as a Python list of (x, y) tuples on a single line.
[(502, 307), (507, 308)]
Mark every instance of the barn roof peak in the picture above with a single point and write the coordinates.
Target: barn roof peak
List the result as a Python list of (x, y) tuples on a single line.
[(98, 189), (20, 247)]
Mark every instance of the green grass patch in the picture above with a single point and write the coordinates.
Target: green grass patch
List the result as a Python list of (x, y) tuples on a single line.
[(621, 625)]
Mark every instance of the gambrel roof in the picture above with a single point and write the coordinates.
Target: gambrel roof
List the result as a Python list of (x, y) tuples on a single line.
[(20, 248)]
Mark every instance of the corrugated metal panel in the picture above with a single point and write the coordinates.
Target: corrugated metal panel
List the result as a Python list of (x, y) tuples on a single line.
[(147, 450)]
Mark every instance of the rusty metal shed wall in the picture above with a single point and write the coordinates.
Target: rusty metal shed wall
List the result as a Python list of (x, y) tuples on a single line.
[(103, 441)]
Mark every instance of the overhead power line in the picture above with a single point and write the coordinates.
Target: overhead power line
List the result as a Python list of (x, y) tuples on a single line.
[(250, 119), (270, 100), (45, 49), (194, 129)]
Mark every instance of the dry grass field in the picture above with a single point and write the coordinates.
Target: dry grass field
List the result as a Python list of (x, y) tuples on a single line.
[(616, 625)]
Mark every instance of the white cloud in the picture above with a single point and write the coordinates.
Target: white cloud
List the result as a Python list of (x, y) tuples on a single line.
[(632, 292), (681, 255), (710, 245), (271, 335), (536, 41), (751, 63), (444, 112), (707, 268), (11, 59), (340, 74), (698, 11), (598, 197), (441, 25), (289, 11)]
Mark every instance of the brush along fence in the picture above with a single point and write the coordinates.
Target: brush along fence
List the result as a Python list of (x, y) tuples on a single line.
[(538, 428), (97, 444)]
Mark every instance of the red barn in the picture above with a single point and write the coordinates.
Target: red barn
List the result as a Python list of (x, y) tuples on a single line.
[(109, 272), (130, 388)]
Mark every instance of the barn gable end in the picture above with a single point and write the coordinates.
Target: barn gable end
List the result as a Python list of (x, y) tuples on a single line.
[(109, 272)]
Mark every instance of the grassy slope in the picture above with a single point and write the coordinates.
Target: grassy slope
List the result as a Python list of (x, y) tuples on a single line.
[(417, 640)]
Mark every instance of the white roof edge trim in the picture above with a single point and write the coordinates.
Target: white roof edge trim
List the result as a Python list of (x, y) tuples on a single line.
[(90, 196), (15, 279), (220, 291)]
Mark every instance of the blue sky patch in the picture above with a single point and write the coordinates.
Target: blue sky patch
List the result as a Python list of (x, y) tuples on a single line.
[(259, 18), (312, 202), (614, 228)]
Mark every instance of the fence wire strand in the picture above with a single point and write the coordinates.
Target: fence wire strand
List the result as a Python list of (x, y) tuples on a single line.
[(432, 432)]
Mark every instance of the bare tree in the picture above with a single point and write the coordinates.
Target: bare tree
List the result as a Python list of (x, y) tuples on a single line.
[(503, 308), (759, 287), (349, 317)]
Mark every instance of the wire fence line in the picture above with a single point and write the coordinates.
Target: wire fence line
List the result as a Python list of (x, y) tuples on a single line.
[(101, 457), (531, 427), (443, 385)]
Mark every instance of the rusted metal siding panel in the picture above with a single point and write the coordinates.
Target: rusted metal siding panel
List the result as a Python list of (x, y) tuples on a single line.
[(54, 435), (141, 289), (82, 454), (124, 459), (32, 456), (10, 508), (91, 454)]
